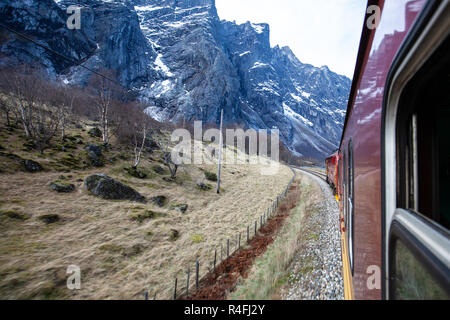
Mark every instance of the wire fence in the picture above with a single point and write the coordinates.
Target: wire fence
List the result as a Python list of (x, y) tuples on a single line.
[(191, 282)]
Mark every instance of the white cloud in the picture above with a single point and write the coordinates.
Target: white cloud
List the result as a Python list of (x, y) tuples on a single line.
[(320, 32)]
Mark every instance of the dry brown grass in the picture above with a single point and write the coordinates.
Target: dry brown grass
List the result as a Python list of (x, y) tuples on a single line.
[(120, 258), (269, 271)]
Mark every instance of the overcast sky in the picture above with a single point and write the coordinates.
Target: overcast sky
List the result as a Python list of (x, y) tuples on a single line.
[(319, 32)]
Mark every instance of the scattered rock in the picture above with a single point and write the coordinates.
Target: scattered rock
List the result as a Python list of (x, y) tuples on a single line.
[(49, 218), (94, 148), (203, 186), (160, 201), (182, 208), (134, 172), (174, 235), (32, 166), (95, 155), (62, 187), (146, 215), (107, 188), (159, 170), (95, 132)]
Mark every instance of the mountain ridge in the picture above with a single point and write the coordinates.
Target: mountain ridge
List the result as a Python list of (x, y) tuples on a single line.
[(188, 64)]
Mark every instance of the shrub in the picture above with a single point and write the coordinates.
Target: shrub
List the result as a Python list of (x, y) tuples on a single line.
[(211, 176), (197, 238), (14, 215)]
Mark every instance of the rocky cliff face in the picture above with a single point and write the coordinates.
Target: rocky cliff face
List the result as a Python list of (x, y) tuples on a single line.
[(188, 64)]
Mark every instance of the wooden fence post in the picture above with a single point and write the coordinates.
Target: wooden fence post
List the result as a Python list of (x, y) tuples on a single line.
[(187, 281), (239, 242), (197, 267), (175, 290), (248, 234)]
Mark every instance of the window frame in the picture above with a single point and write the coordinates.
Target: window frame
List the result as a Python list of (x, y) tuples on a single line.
[(428, 33), (351, 206)]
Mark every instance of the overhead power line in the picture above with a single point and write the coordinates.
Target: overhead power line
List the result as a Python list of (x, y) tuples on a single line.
[(28, 38)]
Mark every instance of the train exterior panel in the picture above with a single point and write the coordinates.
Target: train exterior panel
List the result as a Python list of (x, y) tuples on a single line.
[(331, 171), (361, 167)]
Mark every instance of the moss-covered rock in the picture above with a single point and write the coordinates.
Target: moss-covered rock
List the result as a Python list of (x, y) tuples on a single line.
[(49, 218), (146, 215), (94, 155), (203, 186), (32, 166), (182, 208), (95, 132), (134, 172), (160, 201), (13, 214), (62, 187), (107, 188)]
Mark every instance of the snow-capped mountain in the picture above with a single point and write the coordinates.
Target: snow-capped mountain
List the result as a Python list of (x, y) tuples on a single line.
[(188, 64)]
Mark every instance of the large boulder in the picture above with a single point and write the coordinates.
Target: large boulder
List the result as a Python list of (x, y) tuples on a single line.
[(107, 188)]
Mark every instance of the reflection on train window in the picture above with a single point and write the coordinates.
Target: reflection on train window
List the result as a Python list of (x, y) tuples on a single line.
[(411, 280), (351, 201), (423, 141)]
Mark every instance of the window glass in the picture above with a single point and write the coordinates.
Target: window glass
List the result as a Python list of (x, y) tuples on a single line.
[(411, 280)]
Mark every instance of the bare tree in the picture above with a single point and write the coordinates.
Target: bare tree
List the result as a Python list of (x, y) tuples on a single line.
[(64, 101), (24, 86), (163, 142), (7, 108), (31, 94), (141, 127), (105, 92)]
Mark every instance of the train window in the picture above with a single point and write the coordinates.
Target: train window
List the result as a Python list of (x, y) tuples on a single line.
[(413, 281), (419, 237), (351, 193), (423, 142)]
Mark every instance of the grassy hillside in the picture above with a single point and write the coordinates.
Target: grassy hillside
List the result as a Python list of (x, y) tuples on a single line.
[(123, 248)]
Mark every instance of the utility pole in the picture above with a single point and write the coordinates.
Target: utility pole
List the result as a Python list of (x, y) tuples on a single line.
[(220, 152)]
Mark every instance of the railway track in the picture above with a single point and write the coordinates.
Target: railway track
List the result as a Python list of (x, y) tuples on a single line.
[(313, 172)]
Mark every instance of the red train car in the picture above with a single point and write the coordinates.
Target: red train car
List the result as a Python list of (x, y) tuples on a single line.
[(332, 171), (394, 168)]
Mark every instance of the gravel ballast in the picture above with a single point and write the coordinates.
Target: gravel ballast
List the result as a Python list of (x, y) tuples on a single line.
[(316, 271)]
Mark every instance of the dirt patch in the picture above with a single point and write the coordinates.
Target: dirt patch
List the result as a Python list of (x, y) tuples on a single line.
[(218, 284)]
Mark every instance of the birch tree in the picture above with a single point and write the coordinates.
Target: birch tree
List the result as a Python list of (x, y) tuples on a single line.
[(105, 92)]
